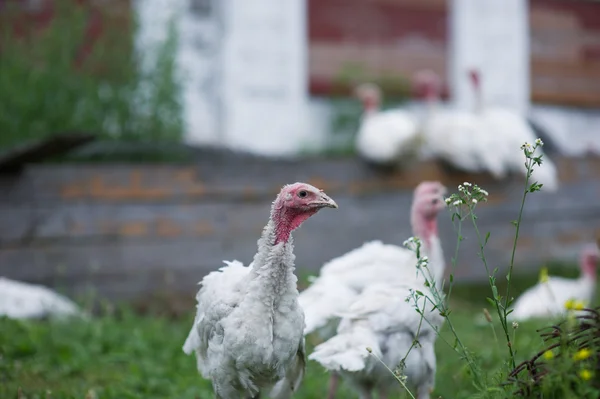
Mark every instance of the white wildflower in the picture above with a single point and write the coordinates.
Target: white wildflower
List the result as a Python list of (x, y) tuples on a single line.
[(526, 146), (409, 242), (448, 201), (482, 191), (467, 184), (460, 187), (456, 203), (425, 259), (474, 201), (515, 325), (539, 142)]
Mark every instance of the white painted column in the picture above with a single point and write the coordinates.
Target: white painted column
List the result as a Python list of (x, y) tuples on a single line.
[(265, 75), (493, 36), (198, 58)]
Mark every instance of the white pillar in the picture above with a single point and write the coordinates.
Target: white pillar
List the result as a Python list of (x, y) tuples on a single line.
[(198, 63), (265, 75), (493, 36)]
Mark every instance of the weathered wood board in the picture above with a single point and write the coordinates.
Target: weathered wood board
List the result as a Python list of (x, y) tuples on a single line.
[(129, 231)]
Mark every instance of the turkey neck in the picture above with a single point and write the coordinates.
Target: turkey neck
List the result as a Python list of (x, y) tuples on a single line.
[(426, 229), (272, 280), (478, 97), (431, 100)]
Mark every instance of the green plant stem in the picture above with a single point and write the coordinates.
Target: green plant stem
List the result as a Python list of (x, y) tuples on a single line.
[(499, 307), (394, 374), (441, 305), (514, 248), (415, 340), (455, 258)]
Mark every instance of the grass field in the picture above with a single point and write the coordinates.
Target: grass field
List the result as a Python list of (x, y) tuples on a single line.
[(126, 355)]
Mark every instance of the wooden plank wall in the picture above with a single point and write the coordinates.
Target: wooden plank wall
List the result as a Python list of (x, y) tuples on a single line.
[(129, 231), (402, 36)]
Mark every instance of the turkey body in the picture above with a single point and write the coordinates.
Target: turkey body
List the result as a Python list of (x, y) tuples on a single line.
[(387, 137), (382, 320), (248, 331), (367, 303), (547, 300), (268, 346), (20, 300), (507, 132), (342, 279)]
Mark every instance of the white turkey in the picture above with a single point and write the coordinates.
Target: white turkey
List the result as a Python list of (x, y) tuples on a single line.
[(20, 300), (248, 330), (385, 138), (453, 136), (342, 279), (509, 132), (547, 299), (382, 320)]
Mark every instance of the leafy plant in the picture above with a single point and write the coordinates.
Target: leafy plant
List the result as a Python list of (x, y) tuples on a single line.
[(568, 366), (570, 378), (50, 83)]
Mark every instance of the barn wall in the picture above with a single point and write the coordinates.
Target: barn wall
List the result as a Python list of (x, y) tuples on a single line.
[(402, 36), (128, 231)]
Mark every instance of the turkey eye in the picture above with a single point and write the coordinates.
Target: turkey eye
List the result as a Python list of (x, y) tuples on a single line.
[(302, 194), (434, 201)]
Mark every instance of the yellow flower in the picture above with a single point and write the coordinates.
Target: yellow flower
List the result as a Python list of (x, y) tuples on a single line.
[(548, 355), (569, 304), (544, 275), (586, 375), (572, 304), (582, 354)]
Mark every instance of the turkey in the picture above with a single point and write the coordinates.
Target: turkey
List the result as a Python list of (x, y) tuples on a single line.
[(455, 137), (385, 138), (382, 320), (248, 330), (547, 299), (342, 279), (20, 300), (510, 132)]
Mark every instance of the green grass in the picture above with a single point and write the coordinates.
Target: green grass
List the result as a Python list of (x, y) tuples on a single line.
[(126, 355)]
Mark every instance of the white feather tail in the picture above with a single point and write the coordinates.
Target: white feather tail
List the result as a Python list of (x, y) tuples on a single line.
[(347, 351)]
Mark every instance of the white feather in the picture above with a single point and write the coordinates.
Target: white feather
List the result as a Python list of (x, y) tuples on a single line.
[(20, 300), (386, 137), (248, 330), (342, 279), (382, 320), (547, 300), (513, 131)]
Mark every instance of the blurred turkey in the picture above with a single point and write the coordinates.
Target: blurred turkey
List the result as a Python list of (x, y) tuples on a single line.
[(456, 137), (20, 300), (547, 299), (343, 279), (385, 138), (248, 331), (508, 132), (382, 320)]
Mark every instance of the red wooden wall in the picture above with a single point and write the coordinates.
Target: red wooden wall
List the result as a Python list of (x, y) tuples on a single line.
[(401, 36), (106, 21)]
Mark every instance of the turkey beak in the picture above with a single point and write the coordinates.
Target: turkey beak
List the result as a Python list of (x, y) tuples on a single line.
[(325, 202)]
